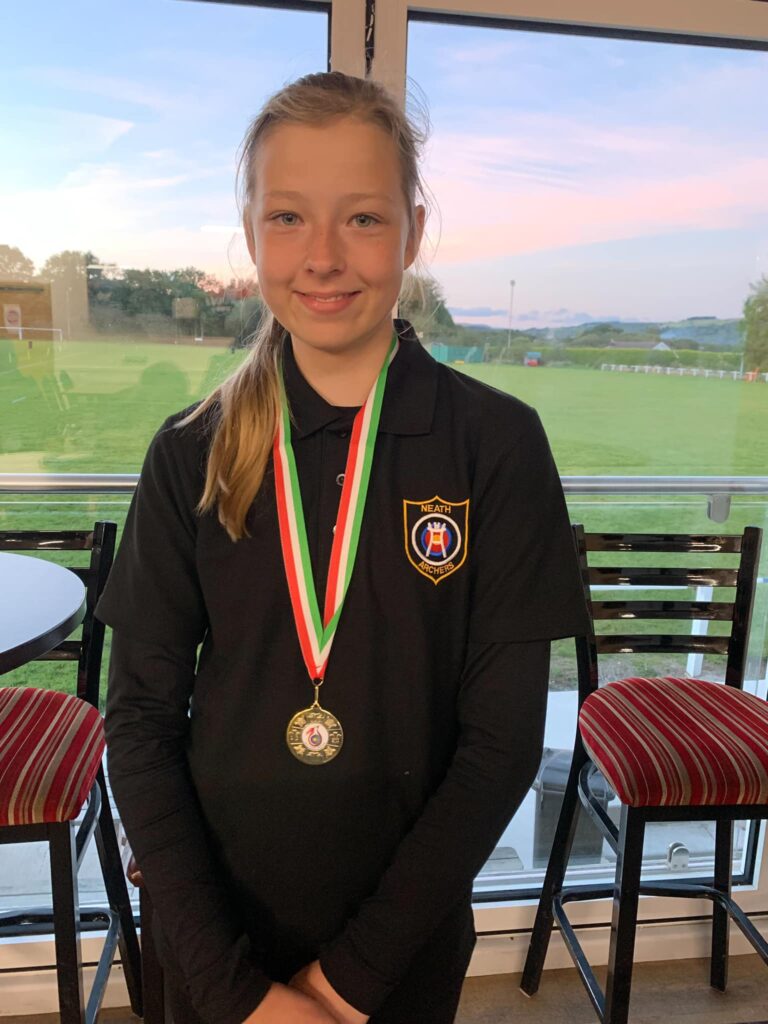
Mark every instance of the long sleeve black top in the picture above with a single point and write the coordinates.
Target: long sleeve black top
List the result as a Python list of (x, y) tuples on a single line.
[(258, 863)]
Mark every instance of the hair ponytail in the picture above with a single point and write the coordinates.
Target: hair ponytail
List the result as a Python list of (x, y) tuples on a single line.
[(245, 409)]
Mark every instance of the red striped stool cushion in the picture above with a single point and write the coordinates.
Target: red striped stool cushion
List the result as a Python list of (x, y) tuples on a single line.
[(51, 746), (674, 742)]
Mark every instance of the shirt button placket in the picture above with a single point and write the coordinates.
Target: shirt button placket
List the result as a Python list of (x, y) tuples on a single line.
[(342, 434)]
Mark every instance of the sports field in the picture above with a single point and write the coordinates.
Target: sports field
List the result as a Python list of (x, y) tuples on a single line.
[(93, 407)]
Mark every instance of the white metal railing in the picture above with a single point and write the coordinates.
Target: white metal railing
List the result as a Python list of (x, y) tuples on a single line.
[(685, 371), (717, 489)]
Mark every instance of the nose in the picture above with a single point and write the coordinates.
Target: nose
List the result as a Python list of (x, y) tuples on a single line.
[(324, 251)]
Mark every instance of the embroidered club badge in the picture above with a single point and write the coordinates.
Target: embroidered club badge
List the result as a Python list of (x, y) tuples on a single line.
[(436, 536)]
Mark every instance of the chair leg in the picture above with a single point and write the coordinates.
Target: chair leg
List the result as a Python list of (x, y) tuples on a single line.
[(66, 923), (119, 901), (718, 970), (152, 969), (553, 880), (626, 893)]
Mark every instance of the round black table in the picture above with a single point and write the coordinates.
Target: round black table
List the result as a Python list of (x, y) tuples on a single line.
[(41, 603)]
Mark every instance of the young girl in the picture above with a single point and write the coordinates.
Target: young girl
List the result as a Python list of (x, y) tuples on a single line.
[(374, 552)]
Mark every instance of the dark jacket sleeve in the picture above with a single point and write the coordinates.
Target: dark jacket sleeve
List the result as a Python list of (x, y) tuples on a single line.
[(146, 726), (501, 708), (154, 603), (526, 583), (153, 591)]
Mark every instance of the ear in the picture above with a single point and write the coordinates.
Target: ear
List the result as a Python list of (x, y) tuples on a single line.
[(414, 237), (249, 239)]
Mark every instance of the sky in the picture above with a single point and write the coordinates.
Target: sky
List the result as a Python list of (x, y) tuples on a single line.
[(606, 178)]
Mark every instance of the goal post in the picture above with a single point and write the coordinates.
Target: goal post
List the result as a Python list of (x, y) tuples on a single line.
[(33, 334)]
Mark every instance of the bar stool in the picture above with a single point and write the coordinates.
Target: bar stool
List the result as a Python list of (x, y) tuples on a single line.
[(672, 748), (51, 748)]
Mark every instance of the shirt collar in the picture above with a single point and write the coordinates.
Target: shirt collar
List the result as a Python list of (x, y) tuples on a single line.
[(409, 399)]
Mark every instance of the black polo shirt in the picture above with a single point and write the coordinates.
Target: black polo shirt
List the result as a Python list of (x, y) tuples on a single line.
[(465, 569)]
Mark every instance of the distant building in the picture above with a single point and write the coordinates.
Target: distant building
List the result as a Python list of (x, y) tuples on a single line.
[(532, 359), (25, 303)]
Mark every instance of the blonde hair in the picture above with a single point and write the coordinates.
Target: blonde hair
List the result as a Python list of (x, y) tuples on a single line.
[(247, 404)]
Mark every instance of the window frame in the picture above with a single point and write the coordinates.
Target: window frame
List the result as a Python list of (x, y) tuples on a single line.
[(717, 23)]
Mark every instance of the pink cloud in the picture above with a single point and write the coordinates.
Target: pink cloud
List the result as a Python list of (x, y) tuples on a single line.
[(481, 223)]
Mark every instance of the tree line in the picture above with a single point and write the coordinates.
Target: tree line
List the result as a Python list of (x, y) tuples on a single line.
[(122, 299)]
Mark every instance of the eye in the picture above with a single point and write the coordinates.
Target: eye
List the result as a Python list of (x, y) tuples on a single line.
[(367, 216), (278, 216)]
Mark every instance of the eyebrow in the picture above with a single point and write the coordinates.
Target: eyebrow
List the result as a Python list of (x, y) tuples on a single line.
[(357, 196)]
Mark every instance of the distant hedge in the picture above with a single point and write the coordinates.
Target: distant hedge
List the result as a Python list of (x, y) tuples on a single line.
[(595, 357)]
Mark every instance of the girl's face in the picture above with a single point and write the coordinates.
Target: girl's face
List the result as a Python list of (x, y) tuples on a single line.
[(328, 218)]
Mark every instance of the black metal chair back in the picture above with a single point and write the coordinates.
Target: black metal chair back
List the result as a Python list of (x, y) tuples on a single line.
[(100, 543), (634, 606)]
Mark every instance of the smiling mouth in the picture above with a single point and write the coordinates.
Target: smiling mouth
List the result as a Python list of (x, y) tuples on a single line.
[(327, 298)]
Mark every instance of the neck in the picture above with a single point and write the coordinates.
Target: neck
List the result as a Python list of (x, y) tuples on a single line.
[(342, 378)]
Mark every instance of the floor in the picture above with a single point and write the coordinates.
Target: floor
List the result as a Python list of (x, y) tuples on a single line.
[(672, 993), (662, 993)]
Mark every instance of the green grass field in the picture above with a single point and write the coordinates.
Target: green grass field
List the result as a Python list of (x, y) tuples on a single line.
[(633, 424), (94, 406)]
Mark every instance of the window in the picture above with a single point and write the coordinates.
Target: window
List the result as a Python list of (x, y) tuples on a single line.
[(124, 278), (603, 220)]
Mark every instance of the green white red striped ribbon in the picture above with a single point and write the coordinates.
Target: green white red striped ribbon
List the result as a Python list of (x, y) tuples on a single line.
[(315, 633)]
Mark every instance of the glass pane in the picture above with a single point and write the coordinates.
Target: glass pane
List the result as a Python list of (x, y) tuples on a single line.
[(125, 282), (602, 223), (124, 278), (520, 859)]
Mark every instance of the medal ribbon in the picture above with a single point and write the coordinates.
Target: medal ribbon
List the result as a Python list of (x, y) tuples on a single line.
[(315, 633)]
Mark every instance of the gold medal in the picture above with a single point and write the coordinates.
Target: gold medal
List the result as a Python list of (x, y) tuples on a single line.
[(314, 735)]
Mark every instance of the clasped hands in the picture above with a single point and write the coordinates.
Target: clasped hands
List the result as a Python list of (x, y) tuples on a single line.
[(308, 998), (312, 982)]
